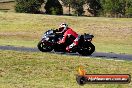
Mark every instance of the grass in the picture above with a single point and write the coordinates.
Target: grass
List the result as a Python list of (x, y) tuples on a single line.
[(111, 34), (22, 43), (44, 70)]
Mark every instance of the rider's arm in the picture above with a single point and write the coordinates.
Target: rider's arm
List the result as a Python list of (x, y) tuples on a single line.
[(64, 37)]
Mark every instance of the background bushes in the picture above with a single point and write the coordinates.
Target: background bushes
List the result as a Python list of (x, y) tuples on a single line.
[(28, 6), (108, 8), (53, 7)]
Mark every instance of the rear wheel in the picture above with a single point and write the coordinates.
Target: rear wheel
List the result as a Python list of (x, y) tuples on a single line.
[(87, 49), (44, 48)]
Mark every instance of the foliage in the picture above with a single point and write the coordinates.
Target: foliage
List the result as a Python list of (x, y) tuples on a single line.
[(67, 3), (117, 8), (94, 6), (77, 5), (109, 8), (128, 8), (28, 6), (53, 7)]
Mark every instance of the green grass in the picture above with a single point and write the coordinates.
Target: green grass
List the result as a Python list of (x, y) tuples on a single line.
[(111, 34), (21, 43), (44, 70), (114, 48)]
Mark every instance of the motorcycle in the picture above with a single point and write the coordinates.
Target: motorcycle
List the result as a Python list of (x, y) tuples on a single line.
[(51, 37)]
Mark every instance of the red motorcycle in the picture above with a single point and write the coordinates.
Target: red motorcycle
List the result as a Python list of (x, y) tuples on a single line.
[(51, 37)]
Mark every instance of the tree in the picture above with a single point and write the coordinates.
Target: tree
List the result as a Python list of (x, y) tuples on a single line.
[(28, 6), (67, 3), (128, 8), (77, 5), (53, 7), (94, 6), (117, 8)]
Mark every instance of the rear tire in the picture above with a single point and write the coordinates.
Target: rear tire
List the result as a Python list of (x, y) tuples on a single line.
[(87, 49), (44, 48)]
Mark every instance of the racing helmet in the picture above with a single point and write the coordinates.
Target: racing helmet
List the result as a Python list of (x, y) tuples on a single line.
[(63, 27)]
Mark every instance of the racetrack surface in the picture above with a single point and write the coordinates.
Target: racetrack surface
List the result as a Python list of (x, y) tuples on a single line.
[(95, 54)]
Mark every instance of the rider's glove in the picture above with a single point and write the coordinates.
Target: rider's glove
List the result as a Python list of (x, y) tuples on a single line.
[(68, 49)]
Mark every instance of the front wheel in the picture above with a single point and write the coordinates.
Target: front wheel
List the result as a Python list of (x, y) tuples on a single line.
[(43, 47), (87, 49)]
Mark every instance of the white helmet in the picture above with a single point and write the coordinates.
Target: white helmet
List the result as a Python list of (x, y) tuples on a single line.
[(63, 27)]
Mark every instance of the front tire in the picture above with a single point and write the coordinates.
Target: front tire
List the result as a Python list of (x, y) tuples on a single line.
[(87, 49), (43, 47)]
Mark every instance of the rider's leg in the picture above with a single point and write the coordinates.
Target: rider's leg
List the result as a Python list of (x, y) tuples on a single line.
[(75, 43)]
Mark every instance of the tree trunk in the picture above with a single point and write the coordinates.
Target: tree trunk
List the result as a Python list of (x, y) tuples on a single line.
[(69, 9)]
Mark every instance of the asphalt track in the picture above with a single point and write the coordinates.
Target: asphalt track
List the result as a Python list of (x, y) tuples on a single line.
[(95, 54)]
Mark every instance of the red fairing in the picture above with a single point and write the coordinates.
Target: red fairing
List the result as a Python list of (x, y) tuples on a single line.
[(69, 31)]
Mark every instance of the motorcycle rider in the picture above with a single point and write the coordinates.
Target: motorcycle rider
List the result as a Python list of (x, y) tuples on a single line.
[(68, 32)]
